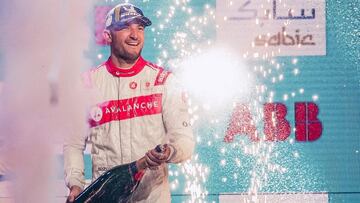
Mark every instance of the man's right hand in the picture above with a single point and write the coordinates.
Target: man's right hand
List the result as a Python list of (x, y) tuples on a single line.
[(74, 192)]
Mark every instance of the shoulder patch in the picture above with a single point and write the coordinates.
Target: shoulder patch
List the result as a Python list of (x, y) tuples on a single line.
[(161, 77)]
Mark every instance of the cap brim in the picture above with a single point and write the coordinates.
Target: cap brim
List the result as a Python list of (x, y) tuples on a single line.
[(146, 21)]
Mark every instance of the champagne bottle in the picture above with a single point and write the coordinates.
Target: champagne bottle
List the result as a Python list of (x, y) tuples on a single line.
[(117, 184)]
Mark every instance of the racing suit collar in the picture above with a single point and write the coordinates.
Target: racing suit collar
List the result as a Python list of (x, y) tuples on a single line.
[(122, 72)]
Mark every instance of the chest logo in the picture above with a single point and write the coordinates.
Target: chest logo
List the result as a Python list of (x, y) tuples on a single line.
[(133, 85), (96, 113)]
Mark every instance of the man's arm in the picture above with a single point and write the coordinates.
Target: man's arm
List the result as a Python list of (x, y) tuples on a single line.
[(74, 147), (74, 165), (75, 141), (177, 122)]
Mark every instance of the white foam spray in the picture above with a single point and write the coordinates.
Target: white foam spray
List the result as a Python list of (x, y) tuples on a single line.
[(43, 44)]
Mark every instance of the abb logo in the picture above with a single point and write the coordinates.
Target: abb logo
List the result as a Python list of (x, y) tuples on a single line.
[(276, 127)]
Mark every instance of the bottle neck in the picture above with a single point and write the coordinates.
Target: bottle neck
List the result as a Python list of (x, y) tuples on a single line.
[(141, 164)]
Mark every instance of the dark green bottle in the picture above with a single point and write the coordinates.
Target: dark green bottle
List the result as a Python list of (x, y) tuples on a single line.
[(117, 184)]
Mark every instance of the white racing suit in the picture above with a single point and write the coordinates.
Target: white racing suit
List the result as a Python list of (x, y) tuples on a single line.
[(138, 108)]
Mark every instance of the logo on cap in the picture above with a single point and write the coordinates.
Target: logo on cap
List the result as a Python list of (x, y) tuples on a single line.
[(130, 11)]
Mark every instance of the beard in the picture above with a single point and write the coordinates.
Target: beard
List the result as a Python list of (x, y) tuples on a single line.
[(126, 55)]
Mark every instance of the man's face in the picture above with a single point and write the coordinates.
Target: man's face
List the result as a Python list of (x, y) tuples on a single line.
[(128, 42)]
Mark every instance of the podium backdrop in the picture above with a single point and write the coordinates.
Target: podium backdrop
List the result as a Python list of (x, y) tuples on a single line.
[(294, 135)]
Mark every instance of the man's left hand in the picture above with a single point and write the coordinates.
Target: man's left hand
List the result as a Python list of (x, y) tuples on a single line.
[(155, 159)]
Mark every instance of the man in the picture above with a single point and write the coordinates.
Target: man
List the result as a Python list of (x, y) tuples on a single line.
[(140, 106)]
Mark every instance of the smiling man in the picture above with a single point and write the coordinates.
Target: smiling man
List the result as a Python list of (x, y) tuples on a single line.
[(139, 106), (125, 26)]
